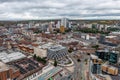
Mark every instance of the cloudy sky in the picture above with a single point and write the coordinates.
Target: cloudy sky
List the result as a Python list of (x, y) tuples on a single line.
[(43, 9)]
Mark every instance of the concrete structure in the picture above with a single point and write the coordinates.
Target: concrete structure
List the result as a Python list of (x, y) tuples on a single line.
[(40, 52), (56, 52), (42, 49)]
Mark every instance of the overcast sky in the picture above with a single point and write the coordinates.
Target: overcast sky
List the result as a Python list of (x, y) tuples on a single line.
[(42, 9)]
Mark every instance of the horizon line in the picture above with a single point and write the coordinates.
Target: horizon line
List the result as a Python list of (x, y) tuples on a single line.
[(69, 18)]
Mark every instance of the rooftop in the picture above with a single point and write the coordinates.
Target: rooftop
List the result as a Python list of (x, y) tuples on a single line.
[(46, 46), (110, 67), (94, 56), (8, 57), (69, 40), (56, 48), (3, 66), (27, 66)]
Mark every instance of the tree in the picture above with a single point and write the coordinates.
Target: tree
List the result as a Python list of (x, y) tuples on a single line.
[(96, 47), (70, 50), (78, 60), (86, 61), (34, 56), (39, 59), (55, 63)]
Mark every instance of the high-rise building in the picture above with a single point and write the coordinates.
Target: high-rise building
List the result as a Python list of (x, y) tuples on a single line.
[(102, 54), (58, 25), (114, 56), (102, 39), (69, 25), (64, 22), (62, 29), (95, 65), (30, 25), (50, 27)]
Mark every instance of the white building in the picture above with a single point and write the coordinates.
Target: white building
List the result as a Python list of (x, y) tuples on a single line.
[(64, 22), (69, 25), (58, 25), (42, 49)]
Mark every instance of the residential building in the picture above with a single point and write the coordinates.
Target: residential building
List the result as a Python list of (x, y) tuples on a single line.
[(8, 72)]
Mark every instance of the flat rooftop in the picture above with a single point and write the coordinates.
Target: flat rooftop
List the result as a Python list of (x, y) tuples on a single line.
[(93, 56), (56, 48), (51, 46), (27, 65), (46, 46), (9, 57), (102, 50), (69, 40)]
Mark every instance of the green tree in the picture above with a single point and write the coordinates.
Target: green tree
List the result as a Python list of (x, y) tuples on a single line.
[(70, 50), (96, 47), (55, 63), (78, 60), (34, 56)]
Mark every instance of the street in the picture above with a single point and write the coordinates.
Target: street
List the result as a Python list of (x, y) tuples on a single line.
[(79, 70)]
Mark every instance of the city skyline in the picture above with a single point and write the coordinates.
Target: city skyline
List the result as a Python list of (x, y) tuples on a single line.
[(52, 9)]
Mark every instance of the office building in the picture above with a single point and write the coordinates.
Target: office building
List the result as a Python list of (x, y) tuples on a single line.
[(114, 56), (102, 39), (64, 22), (95, 65), (62, 29), (103, 54), (56, 52), (41, 50)]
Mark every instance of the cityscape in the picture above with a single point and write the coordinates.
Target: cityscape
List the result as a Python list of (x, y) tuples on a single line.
[(59, 47)]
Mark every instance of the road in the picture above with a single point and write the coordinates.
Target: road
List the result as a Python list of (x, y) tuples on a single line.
[(79, 67), (79, 70)]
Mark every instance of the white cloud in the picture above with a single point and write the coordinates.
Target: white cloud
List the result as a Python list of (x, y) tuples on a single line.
[(36, 9)]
